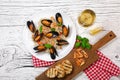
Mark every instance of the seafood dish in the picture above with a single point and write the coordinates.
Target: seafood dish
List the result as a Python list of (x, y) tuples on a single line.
[(50, 35)]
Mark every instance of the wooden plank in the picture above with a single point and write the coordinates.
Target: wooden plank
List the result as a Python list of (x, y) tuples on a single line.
[(77, 69), (108, 37)]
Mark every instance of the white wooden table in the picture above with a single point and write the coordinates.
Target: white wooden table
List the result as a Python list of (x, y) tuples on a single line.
[(15, 60)]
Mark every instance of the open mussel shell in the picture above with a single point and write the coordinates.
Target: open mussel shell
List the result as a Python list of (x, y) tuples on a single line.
[(38, 37), (36, 33), (87, 18), (65, 30), (39, 48), (31, 26), (62, 42), (52, 34), (59, 19), (46, 22), (53, 52), (52, 56)]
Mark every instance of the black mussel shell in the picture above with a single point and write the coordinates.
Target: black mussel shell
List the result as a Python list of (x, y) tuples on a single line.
[(52, 56), (59, 19), (52, 34), (31, 26), (53, 52), (36, 33), (39, 48), (55, 34), (38, 37), (65, 30), (46, 22), (62, 42)]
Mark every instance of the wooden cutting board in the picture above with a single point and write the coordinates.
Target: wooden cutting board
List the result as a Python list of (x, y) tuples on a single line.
[(77, 69)]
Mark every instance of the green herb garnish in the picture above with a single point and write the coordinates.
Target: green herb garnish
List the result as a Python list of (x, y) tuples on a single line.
[(48, 45), (77, 44), (40, 29), (79, 38), (83, 45), (52, 29), (83, 42), (88, 46)]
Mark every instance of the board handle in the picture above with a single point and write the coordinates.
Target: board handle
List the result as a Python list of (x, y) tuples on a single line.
[(108, 37)]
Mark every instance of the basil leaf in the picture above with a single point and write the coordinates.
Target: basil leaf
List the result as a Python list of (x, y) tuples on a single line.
[(40, 29), (79, 38), (85, 40), (83, 45), (88, 46), (48, 45), (52, 29), (77, 44)]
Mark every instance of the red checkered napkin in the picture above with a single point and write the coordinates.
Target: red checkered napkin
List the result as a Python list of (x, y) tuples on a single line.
[(40, 63), (102, 69)]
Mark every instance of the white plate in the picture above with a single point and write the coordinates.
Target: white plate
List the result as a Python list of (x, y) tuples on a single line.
[(43, 55)]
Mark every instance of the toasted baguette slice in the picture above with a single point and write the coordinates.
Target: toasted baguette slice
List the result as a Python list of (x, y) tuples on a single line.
[(60, 70), (51, 73), (67, 66)]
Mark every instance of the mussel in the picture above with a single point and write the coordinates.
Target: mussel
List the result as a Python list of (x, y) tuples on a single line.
[(65, 30), (36, 33), (53, 52), (39, 48), (31, 26), (59, 19), (38, 37), (62, 42), (46, 22), (52, 34)]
